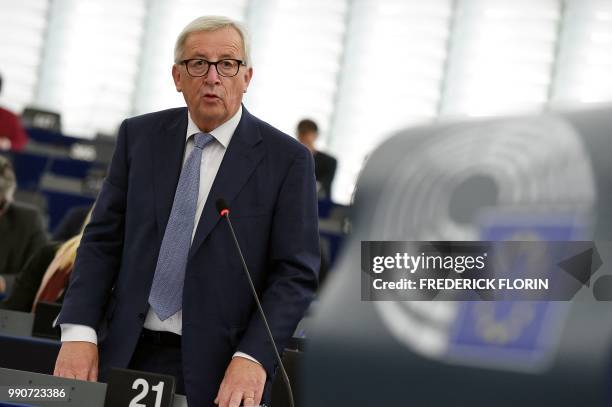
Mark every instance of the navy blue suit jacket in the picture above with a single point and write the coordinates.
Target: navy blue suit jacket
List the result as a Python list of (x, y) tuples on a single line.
[(268, 180)]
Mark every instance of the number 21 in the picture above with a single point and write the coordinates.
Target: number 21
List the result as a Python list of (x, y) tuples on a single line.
[(158, 389)]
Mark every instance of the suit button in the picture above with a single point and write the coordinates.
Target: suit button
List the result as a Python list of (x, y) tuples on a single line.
[(141, 316)]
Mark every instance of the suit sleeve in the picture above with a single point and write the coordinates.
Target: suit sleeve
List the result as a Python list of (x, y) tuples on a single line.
[(99, 254), (294, 258)]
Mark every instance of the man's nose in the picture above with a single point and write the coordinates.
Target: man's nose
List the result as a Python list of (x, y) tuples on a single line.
[(212, 76)]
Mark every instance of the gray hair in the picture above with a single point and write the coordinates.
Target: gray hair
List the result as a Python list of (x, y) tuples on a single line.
[(8, 183), (212, 23)]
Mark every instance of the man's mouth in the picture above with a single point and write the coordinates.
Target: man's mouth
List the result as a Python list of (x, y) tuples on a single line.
[(210, 96)]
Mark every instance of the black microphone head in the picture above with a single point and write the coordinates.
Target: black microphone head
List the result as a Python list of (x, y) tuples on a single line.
[(222, 205)]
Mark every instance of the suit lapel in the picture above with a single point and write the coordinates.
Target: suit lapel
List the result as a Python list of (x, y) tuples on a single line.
[(243, 154), (168, 149)]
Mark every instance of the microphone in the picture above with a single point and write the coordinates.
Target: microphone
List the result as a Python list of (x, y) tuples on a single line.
[(223, 209)]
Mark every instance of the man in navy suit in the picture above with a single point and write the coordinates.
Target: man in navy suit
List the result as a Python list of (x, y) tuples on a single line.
[(121, 308)]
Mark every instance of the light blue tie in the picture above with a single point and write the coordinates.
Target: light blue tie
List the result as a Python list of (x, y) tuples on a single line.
[(166, 295)]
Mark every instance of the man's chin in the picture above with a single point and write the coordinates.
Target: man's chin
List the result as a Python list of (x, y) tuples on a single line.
[(210, 117)]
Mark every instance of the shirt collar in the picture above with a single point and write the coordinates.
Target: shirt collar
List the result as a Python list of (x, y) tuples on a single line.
[(223, 134)]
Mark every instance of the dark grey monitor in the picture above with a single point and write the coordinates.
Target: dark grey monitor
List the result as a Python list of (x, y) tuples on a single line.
[(16, 323), (42, 119)]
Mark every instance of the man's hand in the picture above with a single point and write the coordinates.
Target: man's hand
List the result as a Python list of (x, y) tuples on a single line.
[(77, 360), (2, 285), (243, 380)]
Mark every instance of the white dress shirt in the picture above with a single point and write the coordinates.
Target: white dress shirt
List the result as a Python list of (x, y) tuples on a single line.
[(209, 166)]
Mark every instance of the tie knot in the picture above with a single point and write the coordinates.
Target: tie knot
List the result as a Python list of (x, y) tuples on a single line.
[(202, 139)]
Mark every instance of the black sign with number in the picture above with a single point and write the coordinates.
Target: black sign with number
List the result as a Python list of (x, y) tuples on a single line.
[(132, 388)]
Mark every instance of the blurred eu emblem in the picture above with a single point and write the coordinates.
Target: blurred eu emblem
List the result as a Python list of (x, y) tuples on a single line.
[(518, 335)]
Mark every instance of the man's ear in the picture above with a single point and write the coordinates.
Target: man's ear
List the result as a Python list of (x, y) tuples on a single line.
[(176, 75), (248, 74)]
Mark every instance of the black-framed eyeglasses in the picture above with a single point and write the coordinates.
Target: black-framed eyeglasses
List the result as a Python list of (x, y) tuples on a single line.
[(225, 67)]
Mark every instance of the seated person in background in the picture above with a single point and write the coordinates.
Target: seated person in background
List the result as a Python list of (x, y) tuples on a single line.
[(325, 164), (28, 280), (12, 135), (45, 275), (71, 223), (21, 226)]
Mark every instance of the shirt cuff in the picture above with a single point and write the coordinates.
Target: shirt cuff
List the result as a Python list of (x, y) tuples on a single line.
[(81, 333), (244, 355)]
